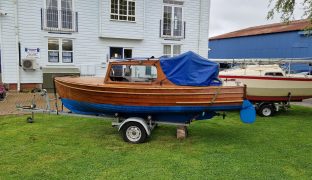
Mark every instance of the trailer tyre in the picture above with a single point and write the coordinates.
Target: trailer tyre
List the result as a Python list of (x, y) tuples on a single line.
[(266, 110), (134, 132)]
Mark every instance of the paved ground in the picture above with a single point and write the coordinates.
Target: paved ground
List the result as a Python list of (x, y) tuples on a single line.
[(13, 99), (307, 103)]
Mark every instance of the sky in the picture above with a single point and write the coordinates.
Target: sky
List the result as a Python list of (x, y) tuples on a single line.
[(230, 15)]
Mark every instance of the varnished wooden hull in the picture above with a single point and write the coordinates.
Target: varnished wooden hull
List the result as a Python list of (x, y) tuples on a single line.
[(163, 102)]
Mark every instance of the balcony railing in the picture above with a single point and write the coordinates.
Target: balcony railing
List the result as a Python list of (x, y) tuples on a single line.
[(59, 20), (172, 31)]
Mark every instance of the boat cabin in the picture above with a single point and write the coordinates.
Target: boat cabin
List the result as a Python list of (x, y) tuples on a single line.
[(188, 69), (257, 70), (135, 72)]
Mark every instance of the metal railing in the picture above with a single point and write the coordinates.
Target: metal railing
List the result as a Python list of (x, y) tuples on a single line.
[(59, 20), (175, 31)]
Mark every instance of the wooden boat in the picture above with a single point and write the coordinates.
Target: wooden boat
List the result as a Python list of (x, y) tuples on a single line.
[(269, 83), (126, 92)]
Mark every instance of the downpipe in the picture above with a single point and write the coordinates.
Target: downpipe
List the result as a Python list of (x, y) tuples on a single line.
[(18, 81)]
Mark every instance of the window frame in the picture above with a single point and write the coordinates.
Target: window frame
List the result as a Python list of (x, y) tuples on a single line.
[(118, 10), (171, 50), (60, 50), (172, 20), (60, 16), (123, 51), (109, 80)]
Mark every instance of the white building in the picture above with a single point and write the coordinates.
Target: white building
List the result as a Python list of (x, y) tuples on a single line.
[(55, 34)]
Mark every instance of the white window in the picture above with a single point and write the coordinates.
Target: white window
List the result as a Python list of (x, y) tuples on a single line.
[(123, 10), (172, 23), (60, 50), (171, 50), (59, 15)]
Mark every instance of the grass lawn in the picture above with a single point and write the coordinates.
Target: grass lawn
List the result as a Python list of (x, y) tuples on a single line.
[(58, 147)]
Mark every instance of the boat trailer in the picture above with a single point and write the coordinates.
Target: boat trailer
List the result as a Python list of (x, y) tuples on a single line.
[(269, 108), (133, 129)]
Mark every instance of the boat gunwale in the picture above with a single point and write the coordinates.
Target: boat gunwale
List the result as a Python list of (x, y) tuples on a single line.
[(132, 86), (162, 94)]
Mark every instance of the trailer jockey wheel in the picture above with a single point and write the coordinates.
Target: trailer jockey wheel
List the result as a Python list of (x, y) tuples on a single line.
[(266, 110), (29, 120), (134, 132)]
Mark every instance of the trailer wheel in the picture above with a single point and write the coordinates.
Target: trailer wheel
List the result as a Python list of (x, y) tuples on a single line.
[(266, 110), (134, 132), (29, 120)]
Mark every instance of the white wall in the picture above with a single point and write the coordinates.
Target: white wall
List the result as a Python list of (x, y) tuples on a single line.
[(122, 29), (96, 34), (8, 44), (0, 41), (31, 36)]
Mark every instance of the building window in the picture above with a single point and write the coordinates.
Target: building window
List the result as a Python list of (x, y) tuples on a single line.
[(67, 14), (60, 50), (120, 53), (171, 50), (123, 10), (172, 23), (52, 13), (59, 15)]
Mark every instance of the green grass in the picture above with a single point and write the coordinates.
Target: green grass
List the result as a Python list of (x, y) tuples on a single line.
[(59, 147)]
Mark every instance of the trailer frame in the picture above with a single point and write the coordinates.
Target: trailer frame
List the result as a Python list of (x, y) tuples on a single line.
[(133, 129)]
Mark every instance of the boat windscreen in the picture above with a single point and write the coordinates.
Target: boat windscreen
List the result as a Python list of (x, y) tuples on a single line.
[(133, 73)]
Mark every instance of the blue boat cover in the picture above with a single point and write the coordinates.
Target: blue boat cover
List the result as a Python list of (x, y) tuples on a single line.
[(190, 69), (248, 112)]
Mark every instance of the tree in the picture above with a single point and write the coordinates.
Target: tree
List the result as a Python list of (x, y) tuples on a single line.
[(286, 9)]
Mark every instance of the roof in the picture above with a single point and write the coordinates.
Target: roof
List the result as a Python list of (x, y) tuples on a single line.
[(266, 29)]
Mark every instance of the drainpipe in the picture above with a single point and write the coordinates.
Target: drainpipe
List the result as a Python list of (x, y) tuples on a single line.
[(1, 47), (16, 42)]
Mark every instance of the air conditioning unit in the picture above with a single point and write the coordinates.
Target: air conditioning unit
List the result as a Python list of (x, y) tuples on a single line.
[(29, 64)]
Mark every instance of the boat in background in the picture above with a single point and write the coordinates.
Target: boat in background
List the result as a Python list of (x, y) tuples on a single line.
[(269, 83), (269, 88), (297, 68)]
